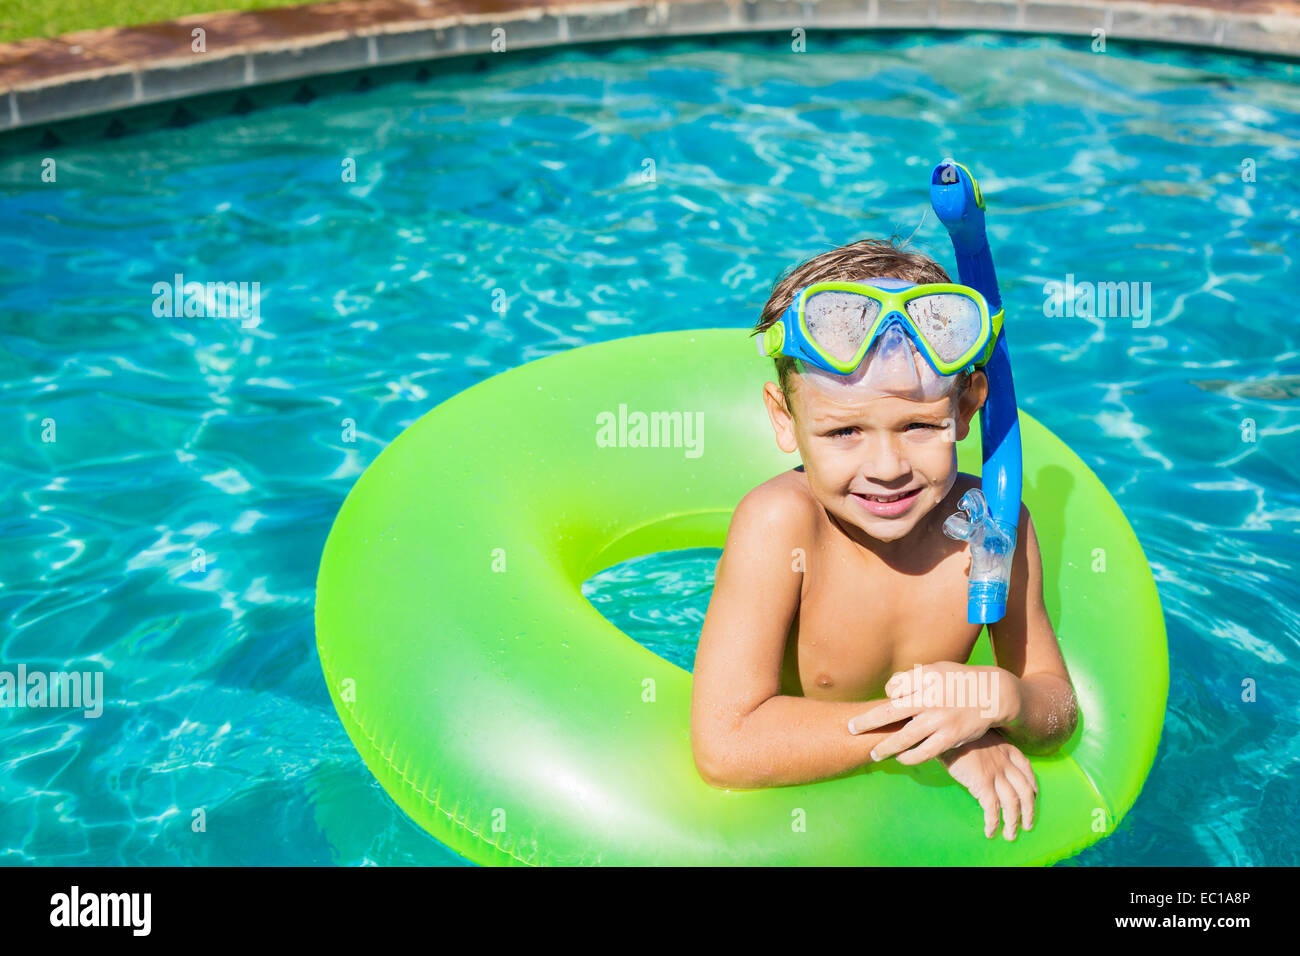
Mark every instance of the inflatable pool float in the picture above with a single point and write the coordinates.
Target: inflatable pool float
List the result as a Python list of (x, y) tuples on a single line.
[(515, 724)]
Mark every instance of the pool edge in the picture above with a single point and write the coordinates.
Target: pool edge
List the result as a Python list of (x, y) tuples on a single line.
[(94, 72)]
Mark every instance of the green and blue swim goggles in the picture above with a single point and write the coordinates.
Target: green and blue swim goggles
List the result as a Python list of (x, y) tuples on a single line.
[(832, 325)]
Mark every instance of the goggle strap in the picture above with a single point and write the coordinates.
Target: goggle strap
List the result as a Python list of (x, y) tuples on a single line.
[(772, 340)]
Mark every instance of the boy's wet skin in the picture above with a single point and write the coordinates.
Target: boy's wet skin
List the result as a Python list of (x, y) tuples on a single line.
[(857, 620), (882, 587)]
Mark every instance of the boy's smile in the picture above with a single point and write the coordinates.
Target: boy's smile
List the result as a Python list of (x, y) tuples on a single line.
[(888, 506), (878, 465)]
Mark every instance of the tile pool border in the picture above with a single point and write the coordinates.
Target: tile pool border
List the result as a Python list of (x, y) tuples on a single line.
[(44, 81)]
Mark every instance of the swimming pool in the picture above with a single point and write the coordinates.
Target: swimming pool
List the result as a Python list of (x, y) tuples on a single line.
[(169, 536)]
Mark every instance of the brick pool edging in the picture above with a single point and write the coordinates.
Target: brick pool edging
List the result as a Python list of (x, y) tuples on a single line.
[(102, 71)]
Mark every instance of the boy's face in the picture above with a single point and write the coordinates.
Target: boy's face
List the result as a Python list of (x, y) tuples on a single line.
[(858, 450)]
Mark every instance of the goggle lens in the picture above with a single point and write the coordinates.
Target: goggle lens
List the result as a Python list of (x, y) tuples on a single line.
[(839, 322), (949, 322)]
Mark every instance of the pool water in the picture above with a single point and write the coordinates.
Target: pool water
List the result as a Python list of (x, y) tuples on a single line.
[(169, 535)]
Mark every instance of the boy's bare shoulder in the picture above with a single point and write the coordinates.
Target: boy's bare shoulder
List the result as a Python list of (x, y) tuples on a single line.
[(781, 505)]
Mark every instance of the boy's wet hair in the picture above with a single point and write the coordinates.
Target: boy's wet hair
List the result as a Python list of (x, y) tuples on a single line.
[(864, 259)]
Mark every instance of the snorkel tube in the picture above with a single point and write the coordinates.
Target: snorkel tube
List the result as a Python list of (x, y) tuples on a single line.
[(990, 516)]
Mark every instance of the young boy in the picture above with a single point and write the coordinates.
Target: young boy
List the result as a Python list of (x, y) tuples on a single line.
[(837, 580)]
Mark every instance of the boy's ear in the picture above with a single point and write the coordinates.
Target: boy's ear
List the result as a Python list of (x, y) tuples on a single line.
[(779, 413), (972, 400)]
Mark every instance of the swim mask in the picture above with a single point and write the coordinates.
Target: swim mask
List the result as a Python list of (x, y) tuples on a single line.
[(884, 336)]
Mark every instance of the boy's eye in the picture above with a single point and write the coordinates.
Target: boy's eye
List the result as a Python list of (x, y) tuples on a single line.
[(850, 429)]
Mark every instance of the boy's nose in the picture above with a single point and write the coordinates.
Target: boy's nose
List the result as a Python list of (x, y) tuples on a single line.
[(885, 461)]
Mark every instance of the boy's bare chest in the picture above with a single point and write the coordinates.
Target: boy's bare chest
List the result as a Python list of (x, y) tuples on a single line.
[(857, 625)]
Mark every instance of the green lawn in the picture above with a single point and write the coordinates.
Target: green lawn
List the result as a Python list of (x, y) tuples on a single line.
[(46, 18)]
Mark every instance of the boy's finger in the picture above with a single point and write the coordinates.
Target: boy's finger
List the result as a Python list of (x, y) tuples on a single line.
[(1010, 806), (1021, 761), (880, 715), (901, 740), (936, 744), (906, 696), (1026, 793), (899, 685), (989, 804)]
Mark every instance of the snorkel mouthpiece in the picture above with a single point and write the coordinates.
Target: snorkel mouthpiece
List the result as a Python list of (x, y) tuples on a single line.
[(992, 516), (992, 547)]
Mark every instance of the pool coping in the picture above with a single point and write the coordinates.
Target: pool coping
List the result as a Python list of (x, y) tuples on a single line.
[(103, 71)]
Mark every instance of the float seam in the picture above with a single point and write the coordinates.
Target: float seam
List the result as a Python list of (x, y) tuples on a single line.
[(389, 761)]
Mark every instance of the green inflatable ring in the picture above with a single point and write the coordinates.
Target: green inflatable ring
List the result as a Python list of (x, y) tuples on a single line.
[(515, 724)]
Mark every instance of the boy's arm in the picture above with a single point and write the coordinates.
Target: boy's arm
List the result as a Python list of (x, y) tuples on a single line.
[(1025, 644), (744, 734)]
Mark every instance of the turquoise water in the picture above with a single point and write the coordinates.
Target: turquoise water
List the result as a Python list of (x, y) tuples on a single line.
[(169, 535)]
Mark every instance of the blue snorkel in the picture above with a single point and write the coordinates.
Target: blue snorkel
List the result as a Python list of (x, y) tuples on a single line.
[(991, 516)]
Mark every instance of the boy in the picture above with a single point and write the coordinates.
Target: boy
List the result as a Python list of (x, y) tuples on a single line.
[(837, 580)]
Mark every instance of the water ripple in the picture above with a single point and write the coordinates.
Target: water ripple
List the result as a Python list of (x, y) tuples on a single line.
[(168, 481)]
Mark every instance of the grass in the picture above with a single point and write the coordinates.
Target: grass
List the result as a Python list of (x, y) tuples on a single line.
[(20, 19)]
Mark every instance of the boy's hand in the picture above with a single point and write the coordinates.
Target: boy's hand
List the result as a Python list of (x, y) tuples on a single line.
[(999, 776), (949, 705)]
